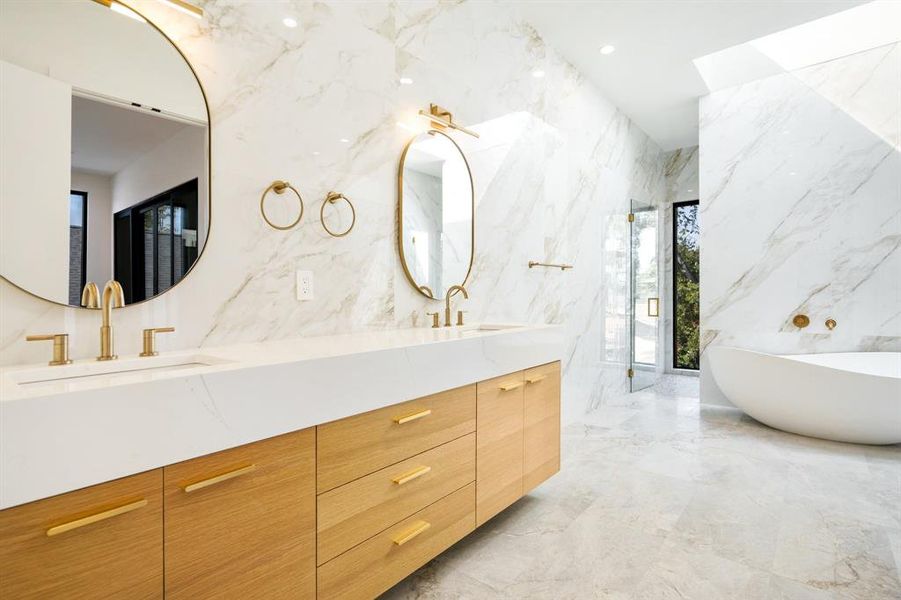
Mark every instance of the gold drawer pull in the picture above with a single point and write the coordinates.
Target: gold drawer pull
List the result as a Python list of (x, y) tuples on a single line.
[(412, 533), (413, 417), (411, 475), (101, 516), (536, 379), (193, 487), (511, 386)]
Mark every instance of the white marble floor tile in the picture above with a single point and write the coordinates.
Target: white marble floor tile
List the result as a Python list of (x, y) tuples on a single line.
[(661, 498)]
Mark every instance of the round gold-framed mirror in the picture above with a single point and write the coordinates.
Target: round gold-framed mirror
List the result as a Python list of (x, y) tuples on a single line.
[(110, 173), (436, 214)]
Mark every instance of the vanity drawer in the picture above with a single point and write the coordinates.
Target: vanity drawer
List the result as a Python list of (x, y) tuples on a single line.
[(380, 562), (105, 541), (354, 512), (241, 523), (358, 445)]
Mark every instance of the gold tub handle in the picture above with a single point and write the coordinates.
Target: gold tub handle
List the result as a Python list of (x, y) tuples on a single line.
[(204, 483), (97, 517), (411, 475), (413, 417), (418, 528)]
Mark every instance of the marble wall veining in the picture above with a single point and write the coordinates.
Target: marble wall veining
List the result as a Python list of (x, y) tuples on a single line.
[(801, 210), (556, 167), (682, 185)]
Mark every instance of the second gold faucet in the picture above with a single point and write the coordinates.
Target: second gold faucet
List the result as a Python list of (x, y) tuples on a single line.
[(447, 306)]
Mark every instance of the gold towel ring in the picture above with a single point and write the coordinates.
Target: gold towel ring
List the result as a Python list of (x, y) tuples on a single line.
[(279, 187), (331, 198)]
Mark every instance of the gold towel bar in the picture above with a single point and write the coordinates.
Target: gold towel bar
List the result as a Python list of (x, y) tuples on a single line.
[(411, 475), (413, 417), (412, 533), (535, 263), (95, 518), (193, 487)]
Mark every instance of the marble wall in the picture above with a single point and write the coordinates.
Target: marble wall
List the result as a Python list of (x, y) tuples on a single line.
[(801, 210), (681, 177), (557, 166)]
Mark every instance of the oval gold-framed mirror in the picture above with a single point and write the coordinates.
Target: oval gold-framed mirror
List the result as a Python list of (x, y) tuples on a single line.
[(110, 174), (436, 214)]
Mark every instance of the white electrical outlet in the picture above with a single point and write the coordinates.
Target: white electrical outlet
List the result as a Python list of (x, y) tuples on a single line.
[(304, 285)]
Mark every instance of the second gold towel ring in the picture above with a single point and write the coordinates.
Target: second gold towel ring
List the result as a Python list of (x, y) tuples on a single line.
[(279, 187), (331, 198)]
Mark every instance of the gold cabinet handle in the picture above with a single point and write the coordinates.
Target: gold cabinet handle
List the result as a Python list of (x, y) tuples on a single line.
[(536, 379), (204, 483), (411, 475), (96, 518), (511, 386), (411, 533), (413, 417)]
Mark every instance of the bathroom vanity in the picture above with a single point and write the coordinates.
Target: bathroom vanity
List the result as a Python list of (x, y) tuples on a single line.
[(320, 467)]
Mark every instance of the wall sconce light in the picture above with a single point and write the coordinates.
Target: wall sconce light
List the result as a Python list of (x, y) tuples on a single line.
[(442, 118)]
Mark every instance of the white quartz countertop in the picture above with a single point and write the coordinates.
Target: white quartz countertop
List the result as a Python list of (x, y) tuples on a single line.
[(61, 435)]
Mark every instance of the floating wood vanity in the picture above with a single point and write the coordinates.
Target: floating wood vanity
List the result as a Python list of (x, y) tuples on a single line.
[(343, 509)]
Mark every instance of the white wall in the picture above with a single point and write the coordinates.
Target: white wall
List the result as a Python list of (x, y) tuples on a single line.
[(35, 146), (100, 224), (179, 159), (93, 48), (801, 210), (554, 182)]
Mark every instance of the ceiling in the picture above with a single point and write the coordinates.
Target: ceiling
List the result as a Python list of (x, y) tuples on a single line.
[(106, 138), (651, 76)]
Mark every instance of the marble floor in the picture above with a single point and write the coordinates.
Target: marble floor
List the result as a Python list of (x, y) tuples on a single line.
[(660, 499)]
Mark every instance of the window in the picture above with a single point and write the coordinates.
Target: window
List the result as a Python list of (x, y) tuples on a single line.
[(78, 244), (156, 242), (686, 288)]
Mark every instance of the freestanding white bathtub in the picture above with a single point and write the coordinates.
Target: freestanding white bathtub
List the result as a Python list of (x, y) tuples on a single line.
[(846, 396)]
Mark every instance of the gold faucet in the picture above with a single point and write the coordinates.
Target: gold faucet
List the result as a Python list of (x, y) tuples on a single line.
[(447, 308), (112, 297), (90, 295)]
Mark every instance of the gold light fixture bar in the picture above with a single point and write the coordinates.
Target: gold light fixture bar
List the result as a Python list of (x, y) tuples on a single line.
[(185, 7), (442, 118)]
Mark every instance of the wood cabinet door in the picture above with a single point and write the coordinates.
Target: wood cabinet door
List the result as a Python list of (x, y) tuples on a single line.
[(105, 541), (499, 439), (241, 523), (541, 436)]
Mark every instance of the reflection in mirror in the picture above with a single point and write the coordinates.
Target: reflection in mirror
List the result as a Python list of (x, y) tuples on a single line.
[(436, 214), (105, 152)]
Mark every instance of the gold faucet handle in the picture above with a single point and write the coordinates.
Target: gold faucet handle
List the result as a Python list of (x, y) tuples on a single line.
[(150, 339), (60, 347), (460, 316), (435, 322)]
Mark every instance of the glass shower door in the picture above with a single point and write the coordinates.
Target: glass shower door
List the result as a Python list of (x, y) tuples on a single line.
[(645, 296)]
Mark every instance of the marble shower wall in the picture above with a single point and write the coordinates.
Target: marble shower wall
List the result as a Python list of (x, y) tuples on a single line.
[(801, 210), (554, 172), (681, 178)]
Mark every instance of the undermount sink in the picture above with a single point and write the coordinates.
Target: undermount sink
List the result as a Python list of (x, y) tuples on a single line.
[(488, 327), (86, 371)]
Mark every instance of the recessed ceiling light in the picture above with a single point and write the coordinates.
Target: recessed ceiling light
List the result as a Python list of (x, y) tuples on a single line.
[(608, 49), (289, 22), (316, 152), (537, 73), (344, 141), (406, 81), (792, 173)]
